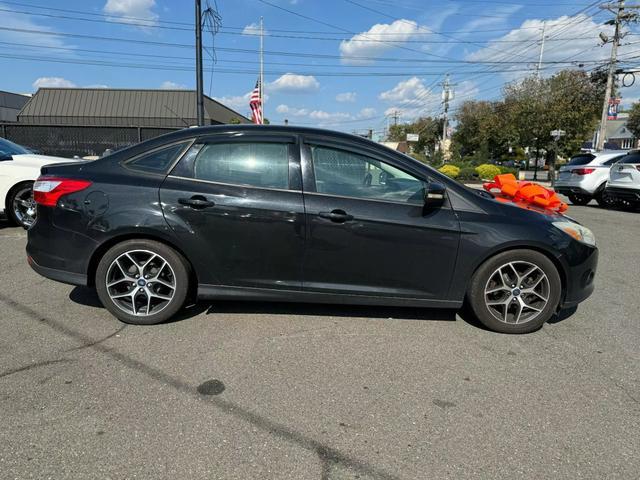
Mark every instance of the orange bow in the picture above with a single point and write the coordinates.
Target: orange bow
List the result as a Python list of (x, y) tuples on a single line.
[(525, 193)]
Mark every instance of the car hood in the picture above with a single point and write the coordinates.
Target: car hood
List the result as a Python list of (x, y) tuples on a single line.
[(34, 160)]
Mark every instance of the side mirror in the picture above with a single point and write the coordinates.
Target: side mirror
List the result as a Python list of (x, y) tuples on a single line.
[(434, 195)]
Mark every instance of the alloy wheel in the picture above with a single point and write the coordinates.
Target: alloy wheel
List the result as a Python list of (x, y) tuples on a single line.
[(24, 206), (517, 292), (140, 282)]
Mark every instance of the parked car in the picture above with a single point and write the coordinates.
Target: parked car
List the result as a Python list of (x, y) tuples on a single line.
[(585, 176), (623, 187), (19, 167), (299, 214)]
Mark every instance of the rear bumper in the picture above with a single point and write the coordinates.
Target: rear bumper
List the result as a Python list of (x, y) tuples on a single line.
[(63, 276), (626, 194), (571, 190)]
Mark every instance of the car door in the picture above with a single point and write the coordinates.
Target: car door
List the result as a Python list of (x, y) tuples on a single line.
[(235, 202), (368, 232)]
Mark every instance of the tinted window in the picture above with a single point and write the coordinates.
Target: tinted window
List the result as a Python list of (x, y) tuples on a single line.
[(255, 164), (8, 148), (347, 174), (580, 159), (632, 158), (613, 160), (157, 161)]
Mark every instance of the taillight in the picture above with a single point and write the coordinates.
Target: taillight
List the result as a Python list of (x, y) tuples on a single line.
[(583, 171), (48, 190)]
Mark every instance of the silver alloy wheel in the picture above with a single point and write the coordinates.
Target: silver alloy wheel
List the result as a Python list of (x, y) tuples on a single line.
[(24, 206), (140, 282), (517, 292)]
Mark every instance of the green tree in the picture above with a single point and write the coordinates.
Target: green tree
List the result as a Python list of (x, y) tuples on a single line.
[(633, 122), (429, 131)]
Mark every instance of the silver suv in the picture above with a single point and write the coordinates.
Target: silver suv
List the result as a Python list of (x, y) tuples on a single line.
[(623, 187), (585, 176)]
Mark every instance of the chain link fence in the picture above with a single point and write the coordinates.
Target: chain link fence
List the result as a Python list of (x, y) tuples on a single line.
[(68, 141)]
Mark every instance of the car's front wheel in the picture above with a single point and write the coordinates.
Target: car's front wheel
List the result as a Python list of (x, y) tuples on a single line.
[(515, 291), (20, 206), (142, 282)]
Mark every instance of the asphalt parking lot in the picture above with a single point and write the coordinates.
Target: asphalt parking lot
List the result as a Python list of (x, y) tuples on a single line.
[(253, 390)]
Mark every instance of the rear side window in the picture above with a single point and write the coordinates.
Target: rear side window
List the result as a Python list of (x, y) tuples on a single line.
[(263, 165), (157, 161), (613, 160), (580, 159), (632, 158)]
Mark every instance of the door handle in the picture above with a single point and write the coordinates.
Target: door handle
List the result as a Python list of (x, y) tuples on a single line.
[(336, 216), (197, 202)]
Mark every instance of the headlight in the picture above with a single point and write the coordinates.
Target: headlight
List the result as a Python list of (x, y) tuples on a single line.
[(577, 231)]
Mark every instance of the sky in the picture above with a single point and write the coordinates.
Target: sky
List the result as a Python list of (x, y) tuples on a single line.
[(345, 64)]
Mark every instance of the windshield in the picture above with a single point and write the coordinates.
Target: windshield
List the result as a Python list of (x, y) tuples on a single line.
[(580, 159), (8, 148)]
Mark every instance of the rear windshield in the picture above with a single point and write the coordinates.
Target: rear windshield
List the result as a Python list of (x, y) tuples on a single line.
[(631, 158), (580, 159)]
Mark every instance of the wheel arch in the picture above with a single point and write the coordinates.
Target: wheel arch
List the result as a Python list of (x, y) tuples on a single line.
[(99, 252), (13, 187)]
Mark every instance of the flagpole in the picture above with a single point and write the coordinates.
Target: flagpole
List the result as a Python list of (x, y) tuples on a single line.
[(262, 66)]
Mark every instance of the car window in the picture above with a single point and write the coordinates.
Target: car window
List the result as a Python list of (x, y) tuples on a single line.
[(580, 159), (157, 161), (347, 174), (631, 158), (263, 165), (8, 148), (613, 160)]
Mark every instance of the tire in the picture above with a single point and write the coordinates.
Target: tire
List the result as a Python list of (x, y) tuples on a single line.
[(491, 291), (158, 291), (579, 199), (25, 217), (604, 200)]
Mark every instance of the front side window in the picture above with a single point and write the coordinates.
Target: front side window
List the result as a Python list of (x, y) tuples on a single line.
[(157, 161), (264, 165), (347, 174)]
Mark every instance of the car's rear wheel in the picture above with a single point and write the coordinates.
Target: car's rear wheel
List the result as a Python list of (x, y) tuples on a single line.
[(142, 282), (605, 200), (515, 291), (20, 206), (579, 199)]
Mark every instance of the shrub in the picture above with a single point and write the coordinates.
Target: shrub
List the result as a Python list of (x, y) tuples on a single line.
[(511, 170), (450, 171), (467, 173), (487, 171)]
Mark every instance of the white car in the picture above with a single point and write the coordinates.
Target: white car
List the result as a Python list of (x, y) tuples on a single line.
[(623, 187), (19, 168), (585, 177)]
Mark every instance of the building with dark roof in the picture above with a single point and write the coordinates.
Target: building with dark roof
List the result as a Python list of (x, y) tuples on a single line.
[(87, 121), (10, 105)]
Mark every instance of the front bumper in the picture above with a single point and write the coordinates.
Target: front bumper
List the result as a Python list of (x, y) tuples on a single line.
[(580, 275)]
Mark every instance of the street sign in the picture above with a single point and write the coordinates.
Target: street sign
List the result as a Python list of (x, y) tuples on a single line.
[(557, 133), (413, 137)]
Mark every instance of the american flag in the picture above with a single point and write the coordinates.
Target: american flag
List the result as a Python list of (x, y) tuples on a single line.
[(256, 105)]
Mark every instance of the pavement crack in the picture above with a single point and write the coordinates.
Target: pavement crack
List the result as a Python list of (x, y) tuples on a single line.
[(34, 366)]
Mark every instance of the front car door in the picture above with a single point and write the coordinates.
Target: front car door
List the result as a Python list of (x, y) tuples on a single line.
[(368, 232), (236, 204)]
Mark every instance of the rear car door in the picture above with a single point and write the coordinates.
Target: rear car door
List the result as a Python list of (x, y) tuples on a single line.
[(368, 232), (235, 202)]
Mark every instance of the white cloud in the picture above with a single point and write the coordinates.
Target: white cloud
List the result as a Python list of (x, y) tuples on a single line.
[(133, 11), (53, 82), (406, 90), (565, 42), (287, 110), (24, 22), (169, 85), (293, 83), (253, 29), (328, 116), (346, 97), (367, 112), (379, 39)]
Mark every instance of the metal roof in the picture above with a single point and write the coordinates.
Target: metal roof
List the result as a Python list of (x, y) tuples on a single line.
[(122, 107), (10, 105)]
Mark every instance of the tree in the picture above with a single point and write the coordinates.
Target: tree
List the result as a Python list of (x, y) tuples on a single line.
[(633, 122), (429, 131)]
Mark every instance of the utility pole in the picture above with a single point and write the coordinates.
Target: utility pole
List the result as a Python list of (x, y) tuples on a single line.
[(447, 96), (199, 84), (395, 115), (621, 17), (544, 26)]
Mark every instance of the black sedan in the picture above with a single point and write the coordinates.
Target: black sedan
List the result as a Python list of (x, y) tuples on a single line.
[(298, 214)]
